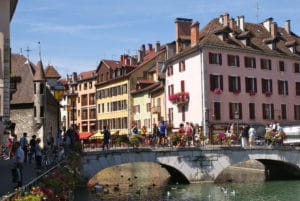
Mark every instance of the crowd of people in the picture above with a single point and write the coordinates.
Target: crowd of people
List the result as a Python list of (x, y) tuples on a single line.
[(32, 151)]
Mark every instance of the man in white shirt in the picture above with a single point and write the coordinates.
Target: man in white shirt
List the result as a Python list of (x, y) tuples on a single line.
[(19, 160)]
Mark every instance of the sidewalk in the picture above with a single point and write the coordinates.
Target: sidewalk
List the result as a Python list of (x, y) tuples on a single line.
[(6, 184)]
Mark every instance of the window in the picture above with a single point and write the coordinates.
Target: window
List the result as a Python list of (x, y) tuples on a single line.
[(170, 70), (250, 62), (183, 113), (251, 86), (233, 60), (266, 85), (171, 115), (297, 112), (216, 82), (297, 88), (297, 67), (170, 89), (182, 86), (283, 112), (268, 111), (148, 107), (41, 111), (217, 110), (235, 108), (41, 88), (234, 84), (215, 58), (265, 64), (252, 111), (181, 66), (281, 66), (283, 87)]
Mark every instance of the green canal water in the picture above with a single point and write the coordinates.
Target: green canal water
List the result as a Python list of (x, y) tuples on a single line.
[(150, 182)]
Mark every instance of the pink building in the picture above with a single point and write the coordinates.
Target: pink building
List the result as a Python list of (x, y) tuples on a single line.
[(232, 70)]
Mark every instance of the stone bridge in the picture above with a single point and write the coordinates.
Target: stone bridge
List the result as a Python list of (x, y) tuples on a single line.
[(192, 165)]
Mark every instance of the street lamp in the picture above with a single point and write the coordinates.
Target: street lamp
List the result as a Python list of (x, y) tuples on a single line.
[(237, 117), (58, 95), (73, 97)]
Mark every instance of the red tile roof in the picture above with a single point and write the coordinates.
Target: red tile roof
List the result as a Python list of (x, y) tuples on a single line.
[(50, 72)]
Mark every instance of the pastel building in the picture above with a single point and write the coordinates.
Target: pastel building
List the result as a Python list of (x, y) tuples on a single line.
[(233, 71)]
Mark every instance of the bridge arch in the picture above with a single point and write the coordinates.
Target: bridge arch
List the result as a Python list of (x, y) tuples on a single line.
[(195, 164)]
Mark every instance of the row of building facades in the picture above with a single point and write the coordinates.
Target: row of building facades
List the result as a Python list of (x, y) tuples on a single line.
[(227, 71)]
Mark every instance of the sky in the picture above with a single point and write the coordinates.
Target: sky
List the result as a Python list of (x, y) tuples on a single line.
[(75, 35)]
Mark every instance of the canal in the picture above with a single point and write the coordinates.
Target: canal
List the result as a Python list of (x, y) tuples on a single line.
[(149, 181)]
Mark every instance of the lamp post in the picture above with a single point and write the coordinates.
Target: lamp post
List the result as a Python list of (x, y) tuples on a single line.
[(58, 95), (73, 97), (237, 116)]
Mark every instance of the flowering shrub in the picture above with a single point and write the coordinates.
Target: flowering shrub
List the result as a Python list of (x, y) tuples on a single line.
[(135, 140), (217, 91), (252, 93), (268, 94)]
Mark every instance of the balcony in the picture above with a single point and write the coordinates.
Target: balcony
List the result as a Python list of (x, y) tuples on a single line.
[(180, 98), (252, 93), (156, 109), (217, 91)]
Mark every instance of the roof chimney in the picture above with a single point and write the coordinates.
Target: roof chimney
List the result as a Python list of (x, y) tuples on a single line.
[(274, 29), (183, 32), (226, 19), (194, 34), (221, 19), (157, 46), (150, 47), (140, 56), (231, 23), (287, 26), (267, 23), (242, 23)]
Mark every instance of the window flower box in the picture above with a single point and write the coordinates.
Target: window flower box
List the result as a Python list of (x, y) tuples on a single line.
[(268, 94), (252, 93), (179, 98), (236, 92), (217, 91)]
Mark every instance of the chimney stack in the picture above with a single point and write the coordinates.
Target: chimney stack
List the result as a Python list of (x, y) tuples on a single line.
[(267, 23), (231, 23), (287, 26), (242, 23), (183, 32), (221, 19), (226, 19), (194, 34), (157, 46), (150, 47), (274, 29)]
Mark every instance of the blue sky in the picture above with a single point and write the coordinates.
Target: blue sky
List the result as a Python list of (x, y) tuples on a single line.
[(76, 34)]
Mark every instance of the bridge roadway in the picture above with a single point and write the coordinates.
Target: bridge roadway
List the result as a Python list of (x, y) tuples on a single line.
[(196, 164)]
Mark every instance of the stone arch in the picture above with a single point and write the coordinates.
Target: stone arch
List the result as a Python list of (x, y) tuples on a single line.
[(280, 170)]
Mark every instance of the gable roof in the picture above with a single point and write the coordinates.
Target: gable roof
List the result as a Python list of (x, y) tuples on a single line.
[(39, 73), (51, 72)]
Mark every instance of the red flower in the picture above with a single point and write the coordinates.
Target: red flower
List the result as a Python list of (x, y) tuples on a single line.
[(217, 91)]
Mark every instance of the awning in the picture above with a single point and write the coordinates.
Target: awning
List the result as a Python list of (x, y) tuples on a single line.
[(84, 135), (97, 135)]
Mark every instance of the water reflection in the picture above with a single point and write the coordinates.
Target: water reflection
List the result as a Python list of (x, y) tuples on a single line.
[(149, 181)]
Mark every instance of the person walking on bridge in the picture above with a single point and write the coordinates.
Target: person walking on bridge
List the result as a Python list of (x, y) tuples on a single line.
[(18, 161), (106, 134)]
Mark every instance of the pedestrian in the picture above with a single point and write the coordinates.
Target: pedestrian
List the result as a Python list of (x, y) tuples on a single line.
[(106, 134), (24, 146), (155, 133), (245, 135), (252, 136), (19, 160), (32, 144), (188, 132), (59, 138), (162, 134), (38, 154)]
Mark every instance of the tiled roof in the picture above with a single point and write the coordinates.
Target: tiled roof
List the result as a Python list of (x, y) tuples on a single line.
[(50, 72), (258, 35), (39, 73), (24, 89), (111, 64), (147, 88), (87, 75)]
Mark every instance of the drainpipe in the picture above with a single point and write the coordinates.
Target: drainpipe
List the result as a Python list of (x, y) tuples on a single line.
[(205, 117)]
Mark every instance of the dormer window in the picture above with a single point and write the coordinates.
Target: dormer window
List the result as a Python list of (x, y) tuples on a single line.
[(291, 45)]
